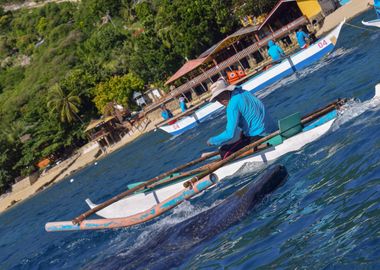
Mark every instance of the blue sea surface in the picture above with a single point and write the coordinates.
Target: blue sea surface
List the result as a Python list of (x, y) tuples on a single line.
[(325, 216)]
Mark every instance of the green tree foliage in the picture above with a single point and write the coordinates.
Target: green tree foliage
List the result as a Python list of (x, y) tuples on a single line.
[(173, 31), (41, 25), (10, 78), (103, 43), (178, 23), (255, 8), (119, 89), (81, 83), (86, 54), (64, 103), (5, 19), (9, 152), (90, 12)]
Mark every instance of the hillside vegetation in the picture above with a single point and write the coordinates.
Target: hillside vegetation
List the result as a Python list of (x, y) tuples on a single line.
[(61, 63)]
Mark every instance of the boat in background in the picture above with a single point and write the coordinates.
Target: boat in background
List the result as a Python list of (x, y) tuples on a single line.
[(375, 23), (258, 82)]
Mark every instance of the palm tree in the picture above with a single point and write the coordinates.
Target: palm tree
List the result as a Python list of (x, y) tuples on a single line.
[(65, 103)]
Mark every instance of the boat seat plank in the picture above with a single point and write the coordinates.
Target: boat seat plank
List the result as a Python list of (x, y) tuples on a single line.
[(290, 125)]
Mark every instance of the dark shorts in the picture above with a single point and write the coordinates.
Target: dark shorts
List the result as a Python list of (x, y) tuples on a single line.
[(228, 149)]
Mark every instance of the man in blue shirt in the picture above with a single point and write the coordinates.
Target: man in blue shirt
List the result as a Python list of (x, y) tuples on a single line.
[(166, 113), (377, 7), (275, 51), (301, 38), (246, 118), (182, 104)]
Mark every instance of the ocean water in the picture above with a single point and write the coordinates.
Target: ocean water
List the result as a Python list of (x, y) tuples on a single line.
[(325, 216)]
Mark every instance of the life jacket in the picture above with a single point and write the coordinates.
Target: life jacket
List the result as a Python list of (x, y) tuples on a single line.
[(241, 73), (232, 76), (172, 122)]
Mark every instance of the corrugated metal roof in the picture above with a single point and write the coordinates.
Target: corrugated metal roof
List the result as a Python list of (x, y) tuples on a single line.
[(209, 50), (228, 41), (98, 122), (274, 10), (187, 67), (193, 64)]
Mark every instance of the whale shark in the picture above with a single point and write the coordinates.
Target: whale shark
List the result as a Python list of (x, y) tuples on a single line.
[(173, 244)]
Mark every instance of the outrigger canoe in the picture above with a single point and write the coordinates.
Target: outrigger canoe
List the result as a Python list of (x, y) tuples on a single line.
[(148, 204), (258, 82)]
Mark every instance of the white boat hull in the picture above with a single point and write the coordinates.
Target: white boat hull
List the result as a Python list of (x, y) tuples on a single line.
[(375, 23), (141, 202)]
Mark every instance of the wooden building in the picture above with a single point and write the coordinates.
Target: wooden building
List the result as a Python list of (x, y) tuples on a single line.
[(244, 50), (104, 131)]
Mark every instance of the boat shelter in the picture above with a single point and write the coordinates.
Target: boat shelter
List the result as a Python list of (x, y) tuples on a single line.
[(244, 52), (104, 131)]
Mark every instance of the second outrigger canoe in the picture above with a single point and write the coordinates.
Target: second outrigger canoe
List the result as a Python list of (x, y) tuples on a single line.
[(258, 82), (148, 204)]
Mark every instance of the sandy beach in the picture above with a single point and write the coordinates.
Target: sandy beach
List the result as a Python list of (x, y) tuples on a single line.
[(73, 164), (65, 169), (348, 11)]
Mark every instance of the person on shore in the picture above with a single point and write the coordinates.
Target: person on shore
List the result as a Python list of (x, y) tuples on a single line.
[(302, 38), (182, 104), (247, 120), (275, 51), (165, 113)]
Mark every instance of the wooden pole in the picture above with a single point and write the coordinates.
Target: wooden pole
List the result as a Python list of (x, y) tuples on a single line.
[(194, 93), (204, 88), (182, 175), (238, 57), (188, 101), (198, 170)]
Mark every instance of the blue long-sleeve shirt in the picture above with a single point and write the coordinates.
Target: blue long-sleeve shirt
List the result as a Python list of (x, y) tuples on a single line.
[(377, 7), (275, 51), (244, 111), (166, 114), (183, 106), (301, 38)]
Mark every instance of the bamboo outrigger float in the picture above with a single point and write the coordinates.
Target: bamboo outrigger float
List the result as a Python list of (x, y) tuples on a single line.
[(156, 196)]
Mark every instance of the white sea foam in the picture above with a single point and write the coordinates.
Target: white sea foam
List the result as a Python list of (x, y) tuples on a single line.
[(249, 168), (180, 213), (353, 109)]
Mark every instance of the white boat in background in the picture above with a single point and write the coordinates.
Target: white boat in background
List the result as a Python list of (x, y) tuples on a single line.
[(375, 23), (258, 82)]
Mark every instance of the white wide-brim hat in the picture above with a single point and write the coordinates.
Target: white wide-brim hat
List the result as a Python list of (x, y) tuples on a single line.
[(219, 87)]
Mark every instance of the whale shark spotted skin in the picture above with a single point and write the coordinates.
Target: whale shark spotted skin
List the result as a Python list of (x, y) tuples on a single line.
[(172, 245)]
